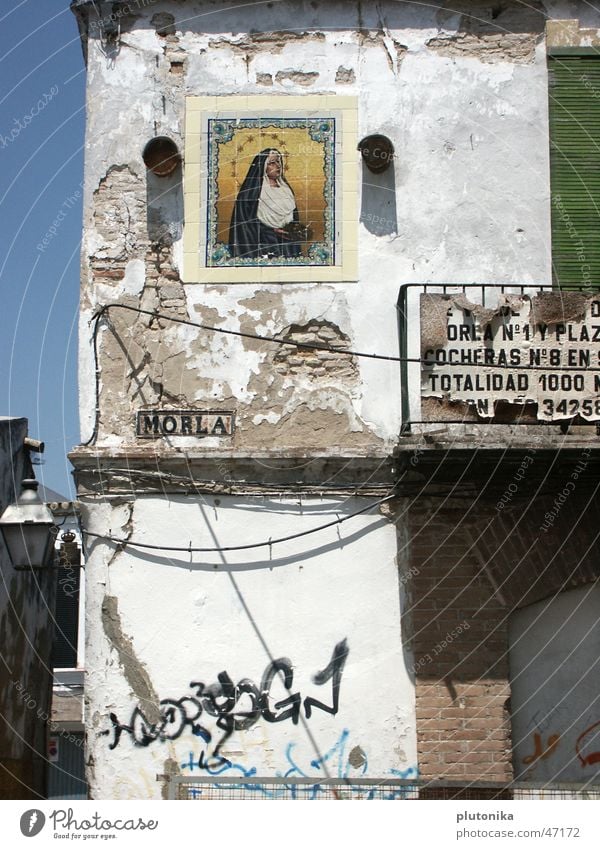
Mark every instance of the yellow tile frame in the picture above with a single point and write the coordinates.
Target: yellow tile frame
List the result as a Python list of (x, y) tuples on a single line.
[(194, 270)]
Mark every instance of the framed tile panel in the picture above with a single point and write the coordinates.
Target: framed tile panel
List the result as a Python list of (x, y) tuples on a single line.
[(271, 183)]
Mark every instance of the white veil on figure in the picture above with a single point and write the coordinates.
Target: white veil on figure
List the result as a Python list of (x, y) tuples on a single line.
[(276, 204)]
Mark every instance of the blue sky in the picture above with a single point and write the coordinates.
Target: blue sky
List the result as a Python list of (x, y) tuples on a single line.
[(42, 119)]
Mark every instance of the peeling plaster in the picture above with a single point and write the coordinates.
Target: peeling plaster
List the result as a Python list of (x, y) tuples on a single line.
[(264, 79), (134, 279), (546, 309), (302, 78), (394, 51), (269, 42), (345, 76), (569, 33), (357, 757), (134, 671), (134, 242), (490, 31), (487, 48)]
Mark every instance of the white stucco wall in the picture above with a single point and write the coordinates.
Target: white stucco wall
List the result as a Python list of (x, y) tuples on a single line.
[(467, 200), (555, 701), (187, 618)]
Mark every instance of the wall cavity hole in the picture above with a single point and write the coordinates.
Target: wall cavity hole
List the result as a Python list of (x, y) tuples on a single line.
[(377, 152), (164, 24), (161, 156)]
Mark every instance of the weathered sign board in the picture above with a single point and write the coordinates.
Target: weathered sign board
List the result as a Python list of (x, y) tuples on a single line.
[(540, 353), (198, 423)]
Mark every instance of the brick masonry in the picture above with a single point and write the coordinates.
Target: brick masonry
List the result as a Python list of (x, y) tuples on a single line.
[(458, 636), (316, 363), (468, 566)]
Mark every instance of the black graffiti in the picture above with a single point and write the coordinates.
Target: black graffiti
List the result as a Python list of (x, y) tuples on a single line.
[(174, 718), (332, 672), (236, 707), (284, 666)]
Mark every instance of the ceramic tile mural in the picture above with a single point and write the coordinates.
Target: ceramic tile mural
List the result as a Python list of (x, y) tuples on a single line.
[(263, 190)]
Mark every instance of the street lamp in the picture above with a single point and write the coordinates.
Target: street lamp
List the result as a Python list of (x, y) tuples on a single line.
[(28, 530)]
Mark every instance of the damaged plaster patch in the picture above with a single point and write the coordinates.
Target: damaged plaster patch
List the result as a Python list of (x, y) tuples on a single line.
[(303, 78), (442, 410), (305, 397), (434, 314), (315, 363), (135, 275), (261, 42), (142, 360), (271, 418), (264, 79), (345, 75), (134, 671), (357, 757), (394, 50), (434, 320), (490, 31), (490, 48), (568, 33), (323, 421), (119, 216)]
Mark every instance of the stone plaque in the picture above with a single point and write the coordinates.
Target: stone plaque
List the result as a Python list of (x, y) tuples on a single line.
[(153, 424)]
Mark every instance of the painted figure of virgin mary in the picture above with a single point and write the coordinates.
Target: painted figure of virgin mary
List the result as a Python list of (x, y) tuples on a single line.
[(265, 222)]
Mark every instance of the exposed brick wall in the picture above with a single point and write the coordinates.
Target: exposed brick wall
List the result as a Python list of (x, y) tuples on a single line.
[(468, 566), (162, 274), (458, 634), (315, 363), (121, 220), (119, 217)]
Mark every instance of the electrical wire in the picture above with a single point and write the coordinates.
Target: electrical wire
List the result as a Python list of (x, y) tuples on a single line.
[(125, 543), (402, 488), (190, 482), (309, 346), (317, 346)]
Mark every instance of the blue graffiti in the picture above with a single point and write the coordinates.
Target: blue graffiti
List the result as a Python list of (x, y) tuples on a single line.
[(216, 765), (335, 763)]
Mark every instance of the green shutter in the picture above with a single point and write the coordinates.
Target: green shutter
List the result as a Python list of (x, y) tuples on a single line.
[(575, 170), (64, 647)]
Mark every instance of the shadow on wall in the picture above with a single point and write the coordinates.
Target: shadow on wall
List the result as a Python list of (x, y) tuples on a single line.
[(165, 207), (378, 207)]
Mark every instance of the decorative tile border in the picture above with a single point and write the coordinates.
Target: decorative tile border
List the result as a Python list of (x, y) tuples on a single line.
[(217, 130)]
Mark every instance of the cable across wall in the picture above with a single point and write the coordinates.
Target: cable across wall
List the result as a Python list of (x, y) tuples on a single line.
[(190, 549), (275, 340)]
